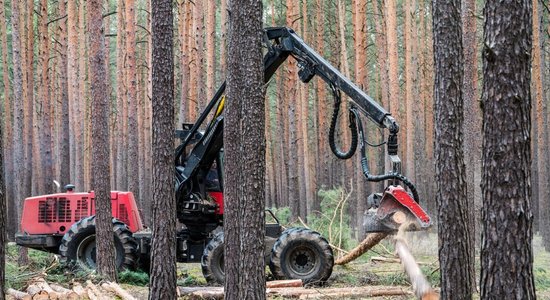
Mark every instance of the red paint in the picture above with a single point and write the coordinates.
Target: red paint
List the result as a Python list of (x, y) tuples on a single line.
[(55, 213), (399, 194), (218, 197)]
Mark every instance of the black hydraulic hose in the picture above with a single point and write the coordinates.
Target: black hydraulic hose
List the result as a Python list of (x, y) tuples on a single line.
[(332, 130), (365, 163)]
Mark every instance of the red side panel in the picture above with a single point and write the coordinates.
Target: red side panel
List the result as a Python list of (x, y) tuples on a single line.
[(54, 214), (218, 197)]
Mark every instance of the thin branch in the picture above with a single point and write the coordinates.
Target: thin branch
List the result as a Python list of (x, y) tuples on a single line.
[(56, 19), (108, 14), (144, 28)]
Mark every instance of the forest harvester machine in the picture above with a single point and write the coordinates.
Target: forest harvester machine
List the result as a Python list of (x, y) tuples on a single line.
[(64, 223)]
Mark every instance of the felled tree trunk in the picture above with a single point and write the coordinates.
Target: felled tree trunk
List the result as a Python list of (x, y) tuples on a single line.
[(370, 241)]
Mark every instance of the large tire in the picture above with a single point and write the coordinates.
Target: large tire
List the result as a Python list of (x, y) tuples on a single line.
[(300, 253), (78, 245), (212, 260)]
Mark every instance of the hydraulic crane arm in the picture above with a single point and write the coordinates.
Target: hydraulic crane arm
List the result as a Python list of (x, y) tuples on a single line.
[(283, 41)]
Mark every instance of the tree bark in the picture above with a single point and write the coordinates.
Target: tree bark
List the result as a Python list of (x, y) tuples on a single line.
[(18, 115), (100, 142), (455, 246), (290, 96), (542, 131), (472, 122), (82, 178), (244, 140), (198, 30), (506, 175), (46, 159), (122, 149), (7, 122), (131, 83), (162, 282), (63, 140), (210, 48), (3, 206), (72, 88)]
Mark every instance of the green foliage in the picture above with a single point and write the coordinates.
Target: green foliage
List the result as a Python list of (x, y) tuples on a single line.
[(542, 278), (133, 277), (283, 214), (333, 221)]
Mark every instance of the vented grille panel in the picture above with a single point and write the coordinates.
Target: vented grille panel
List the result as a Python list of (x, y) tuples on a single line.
[(81, 211), (46, 209), (63, 210), (123, 213)]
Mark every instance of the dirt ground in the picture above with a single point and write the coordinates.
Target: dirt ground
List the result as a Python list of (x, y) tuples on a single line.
[(365, 271)]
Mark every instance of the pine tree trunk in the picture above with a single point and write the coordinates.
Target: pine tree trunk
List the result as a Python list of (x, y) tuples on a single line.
[(64, 147), (542, 130), (410, 99), (322, 111), (80, 174), (131, 83), (507, 217), (162, 282), (223, 39), (210, 49), (198, 22), (290, 96), (28, 95), (7, 123), (194, 73), (453, 212), (72, 88), (183, 12), (18, 147), (3, 207), (244, 140), (392, 61), (378, 163), (122, 150), (472, 122), (100, 142)]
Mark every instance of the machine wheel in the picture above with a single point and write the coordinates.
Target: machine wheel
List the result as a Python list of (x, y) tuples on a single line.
[(78, 244), (212, 260), (300, 253)]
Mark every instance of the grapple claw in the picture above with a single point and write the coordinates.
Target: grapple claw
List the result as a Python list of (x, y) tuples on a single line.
[(395, 208)]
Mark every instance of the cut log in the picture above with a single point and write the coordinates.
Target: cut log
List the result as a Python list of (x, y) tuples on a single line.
[(115, 288), (202, 292), (18, 295), (40, 282), (64, 293), (93, 291), (42, 295), (338, 293), (385, 259), (421, 286), (284, 283), (33, 289), (302, 293), (79, 290), (370, 241)]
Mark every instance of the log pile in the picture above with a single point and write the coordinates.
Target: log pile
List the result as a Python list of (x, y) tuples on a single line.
[(39, 289), (293, 289)]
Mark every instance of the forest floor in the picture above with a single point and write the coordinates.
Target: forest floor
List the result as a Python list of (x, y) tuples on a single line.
[(365, 271)]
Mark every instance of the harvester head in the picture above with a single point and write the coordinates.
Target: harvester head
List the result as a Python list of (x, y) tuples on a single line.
[(388, 211)]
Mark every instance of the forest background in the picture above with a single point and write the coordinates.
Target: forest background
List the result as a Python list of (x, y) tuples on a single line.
[(385, 47)]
